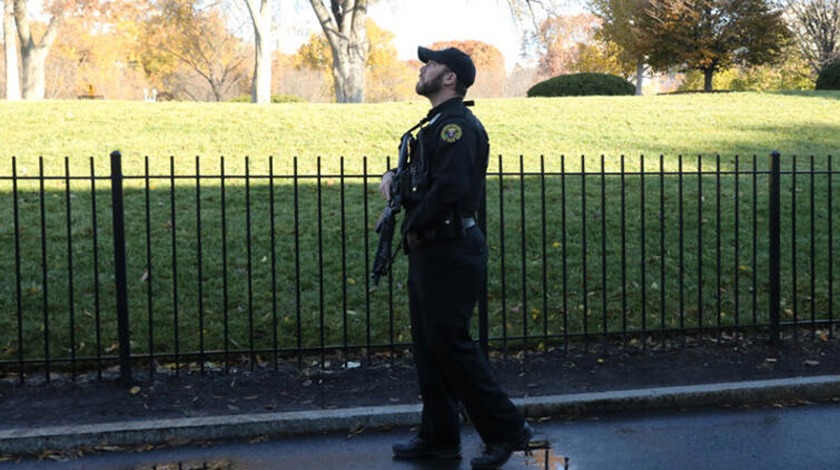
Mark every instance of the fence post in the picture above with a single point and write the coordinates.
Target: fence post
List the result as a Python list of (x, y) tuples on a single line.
[(120, 267), (775, 248), (483, 320)]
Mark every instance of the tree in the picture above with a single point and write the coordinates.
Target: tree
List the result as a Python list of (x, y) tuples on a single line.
[(314, 58), (622, 23), (538, 13), (98, 49), (533, 10), (791, 73), (489, 64), (10, 48), (261, 19), (288, 79), (314, 54), (344, 26), (712, 35), (98, 16), (388, 78), (199, 41), (602, 57), (563, 36), (34, 53), (569, 44), (816, 25)]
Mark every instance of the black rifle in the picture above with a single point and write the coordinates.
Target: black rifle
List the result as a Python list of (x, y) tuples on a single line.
[(387, 222)]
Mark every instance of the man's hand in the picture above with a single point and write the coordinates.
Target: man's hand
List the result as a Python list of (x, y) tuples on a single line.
[(385, 185)]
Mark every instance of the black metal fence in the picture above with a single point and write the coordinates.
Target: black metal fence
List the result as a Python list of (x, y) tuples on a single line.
[(200, 269)]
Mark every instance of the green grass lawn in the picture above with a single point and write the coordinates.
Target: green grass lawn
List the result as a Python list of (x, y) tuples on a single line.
[(297, 280), (726, 124)]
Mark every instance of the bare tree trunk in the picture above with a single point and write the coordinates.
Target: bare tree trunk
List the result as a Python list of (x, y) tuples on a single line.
[(708, 74), (11, 58), (34, 56), (640, 77), (34, 73), (261, 17), (347, 35), (349, 74)]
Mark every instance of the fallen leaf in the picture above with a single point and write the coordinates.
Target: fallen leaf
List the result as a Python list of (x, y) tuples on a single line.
[(134, 390), (177, 441), (110, 449)]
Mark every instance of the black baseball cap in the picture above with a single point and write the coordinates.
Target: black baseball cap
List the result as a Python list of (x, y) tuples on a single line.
[(457, 60)]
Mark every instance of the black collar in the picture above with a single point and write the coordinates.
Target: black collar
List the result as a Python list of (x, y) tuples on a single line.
[(450, 103)]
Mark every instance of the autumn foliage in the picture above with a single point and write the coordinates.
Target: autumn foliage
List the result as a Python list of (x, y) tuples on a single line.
[(489, 64)]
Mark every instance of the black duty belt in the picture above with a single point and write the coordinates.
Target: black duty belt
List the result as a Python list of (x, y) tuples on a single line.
[(414, 238)]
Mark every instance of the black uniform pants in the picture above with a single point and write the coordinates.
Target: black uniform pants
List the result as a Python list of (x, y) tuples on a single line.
[(444, 280)]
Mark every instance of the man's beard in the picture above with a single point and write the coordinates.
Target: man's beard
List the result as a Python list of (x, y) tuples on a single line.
[(430, 87)]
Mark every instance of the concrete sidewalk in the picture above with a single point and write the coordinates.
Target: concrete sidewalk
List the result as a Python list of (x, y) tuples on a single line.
[(59, 438)]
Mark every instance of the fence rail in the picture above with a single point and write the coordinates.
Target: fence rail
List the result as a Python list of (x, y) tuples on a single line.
[(189, 269)]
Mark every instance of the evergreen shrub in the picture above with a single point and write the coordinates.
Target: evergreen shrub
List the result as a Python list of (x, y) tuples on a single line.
[(829, 77), (582, 84)]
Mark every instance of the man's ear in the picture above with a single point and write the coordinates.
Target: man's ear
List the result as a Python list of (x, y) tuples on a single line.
[(451, 77)]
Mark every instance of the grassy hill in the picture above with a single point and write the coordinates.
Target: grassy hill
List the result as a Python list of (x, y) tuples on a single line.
[(728, 124)]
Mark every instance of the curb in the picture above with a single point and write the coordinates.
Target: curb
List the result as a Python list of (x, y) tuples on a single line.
[(58, 438)]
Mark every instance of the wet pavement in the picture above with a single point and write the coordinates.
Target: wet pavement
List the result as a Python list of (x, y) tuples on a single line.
[(789, 437)]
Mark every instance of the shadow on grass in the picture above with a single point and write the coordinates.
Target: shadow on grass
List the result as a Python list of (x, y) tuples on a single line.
[(252, 269), (825, 94)]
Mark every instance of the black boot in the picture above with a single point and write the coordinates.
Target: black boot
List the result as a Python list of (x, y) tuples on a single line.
[(419, 448), (496, 455)]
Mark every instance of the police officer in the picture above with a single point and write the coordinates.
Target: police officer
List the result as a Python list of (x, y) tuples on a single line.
[(447, 258)]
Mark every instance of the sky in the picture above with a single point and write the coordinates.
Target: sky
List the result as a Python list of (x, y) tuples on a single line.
[(425, 22), (421, 23)]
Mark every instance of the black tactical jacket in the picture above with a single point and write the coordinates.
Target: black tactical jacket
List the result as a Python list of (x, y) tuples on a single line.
[(448, 168)]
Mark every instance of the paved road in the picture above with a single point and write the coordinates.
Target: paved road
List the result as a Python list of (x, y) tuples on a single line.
[(797, 437)]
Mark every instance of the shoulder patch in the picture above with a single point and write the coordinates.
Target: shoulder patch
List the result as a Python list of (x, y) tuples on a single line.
[(451, 133)]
